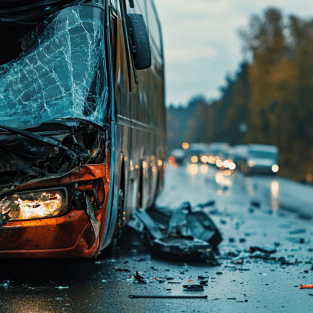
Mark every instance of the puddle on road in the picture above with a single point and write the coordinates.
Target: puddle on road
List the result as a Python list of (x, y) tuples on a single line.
[(198, 173), (274, 194)]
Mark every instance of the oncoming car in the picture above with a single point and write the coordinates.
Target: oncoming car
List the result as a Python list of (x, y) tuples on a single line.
[(82, 123), (262, 159)]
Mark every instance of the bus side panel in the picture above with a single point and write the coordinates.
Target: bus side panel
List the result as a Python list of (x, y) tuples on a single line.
[(156, 98)]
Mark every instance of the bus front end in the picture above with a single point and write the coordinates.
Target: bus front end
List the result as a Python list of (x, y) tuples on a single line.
[(54, 133)]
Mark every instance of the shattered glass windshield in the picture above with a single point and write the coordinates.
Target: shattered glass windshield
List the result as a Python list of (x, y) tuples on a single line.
[(61, 72)]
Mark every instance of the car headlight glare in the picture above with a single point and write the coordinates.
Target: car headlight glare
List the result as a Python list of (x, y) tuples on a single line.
[(34, 204), (275, 168)]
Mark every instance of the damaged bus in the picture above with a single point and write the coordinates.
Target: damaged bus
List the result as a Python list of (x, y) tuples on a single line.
[(82, 123)]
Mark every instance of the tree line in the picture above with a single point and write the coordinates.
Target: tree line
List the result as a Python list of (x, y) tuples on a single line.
[(268, 101)]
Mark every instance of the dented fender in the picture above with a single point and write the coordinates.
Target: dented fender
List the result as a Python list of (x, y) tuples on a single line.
[(70, 235)]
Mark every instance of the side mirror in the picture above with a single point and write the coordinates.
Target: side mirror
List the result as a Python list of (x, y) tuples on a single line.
[(139, 41)]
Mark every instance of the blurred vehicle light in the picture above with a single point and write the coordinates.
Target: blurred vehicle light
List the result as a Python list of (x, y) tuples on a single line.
[(225, 163), (232, 166), (204, 159), (194, 159), (219, 163), (211, 159), (275, 168), (251, 163), (185, 145)]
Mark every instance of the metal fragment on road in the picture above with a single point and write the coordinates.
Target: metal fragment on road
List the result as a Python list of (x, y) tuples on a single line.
[(193, 287), (168, 296)]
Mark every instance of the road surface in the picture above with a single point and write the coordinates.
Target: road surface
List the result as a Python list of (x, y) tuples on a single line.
[(249, 211)]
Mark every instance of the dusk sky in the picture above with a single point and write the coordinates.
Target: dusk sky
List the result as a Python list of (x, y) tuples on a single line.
[(202, 44)]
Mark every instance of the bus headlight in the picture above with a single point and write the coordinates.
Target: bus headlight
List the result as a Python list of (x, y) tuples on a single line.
[(275, 168), (34, 204)]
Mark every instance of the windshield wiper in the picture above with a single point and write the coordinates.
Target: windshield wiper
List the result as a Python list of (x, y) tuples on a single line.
[(45, 140)]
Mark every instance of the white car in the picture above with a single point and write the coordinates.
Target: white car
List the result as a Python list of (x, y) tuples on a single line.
[(262, 159)]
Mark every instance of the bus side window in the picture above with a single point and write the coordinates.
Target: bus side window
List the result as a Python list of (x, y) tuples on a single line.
[(156, 77), (140, 96), (121, 76)]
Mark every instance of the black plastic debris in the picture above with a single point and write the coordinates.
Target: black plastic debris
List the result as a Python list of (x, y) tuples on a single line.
[(213, 262), (139, 278), (193, 287), (198, 224), (256, 204), (203, 282), (264, 249), (188, 235), (161, 216), (5, 284), (151, 226), (181, 249), (206, 204), (203, 277), (136, 224)]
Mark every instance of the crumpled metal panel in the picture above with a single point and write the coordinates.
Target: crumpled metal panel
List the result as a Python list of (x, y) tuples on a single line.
[(69, 235), (61, 72)]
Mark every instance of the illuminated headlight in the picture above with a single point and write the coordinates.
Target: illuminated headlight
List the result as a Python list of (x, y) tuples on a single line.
[(251, 163), (204, 159), (225, 163), (275, 168), (194, 159), (219, 163), (211, 159), (232, 165), (34, 204)]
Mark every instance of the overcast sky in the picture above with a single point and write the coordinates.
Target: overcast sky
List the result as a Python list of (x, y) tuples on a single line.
[(201, 41)]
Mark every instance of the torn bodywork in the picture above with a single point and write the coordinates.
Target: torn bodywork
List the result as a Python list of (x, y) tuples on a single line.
[(42, 184), (54, 134)]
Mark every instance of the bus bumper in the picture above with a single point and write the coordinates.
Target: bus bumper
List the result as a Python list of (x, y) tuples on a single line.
[(67, 236)]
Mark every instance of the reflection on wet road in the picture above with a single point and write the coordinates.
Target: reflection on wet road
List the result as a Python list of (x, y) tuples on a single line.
[(249, 211)]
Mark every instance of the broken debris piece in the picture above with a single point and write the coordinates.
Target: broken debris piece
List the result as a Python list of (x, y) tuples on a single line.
[(182, 249), (306, 286), (168, 296), (152, 227), (191, 235), (193, 287), (203, 282), (118, 269), (5, 284), (203, 205), (264, 249), (140, 279)]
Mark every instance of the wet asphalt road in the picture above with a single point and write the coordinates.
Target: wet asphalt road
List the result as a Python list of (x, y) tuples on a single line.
[(283, 220)]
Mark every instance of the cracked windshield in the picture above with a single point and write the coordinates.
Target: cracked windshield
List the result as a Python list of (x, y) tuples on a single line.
[(156, 156)]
